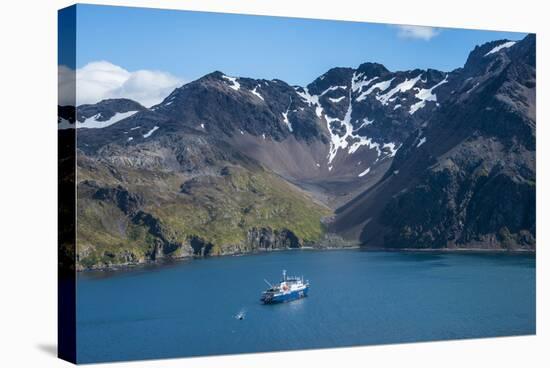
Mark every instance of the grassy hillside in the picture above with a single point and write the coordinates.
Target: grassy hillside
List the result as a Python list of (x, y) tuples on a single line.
[(131, 215)]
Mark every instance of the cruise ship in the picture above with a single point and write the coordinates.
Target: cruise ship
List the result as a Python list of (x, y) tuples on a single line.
[(290, 288)]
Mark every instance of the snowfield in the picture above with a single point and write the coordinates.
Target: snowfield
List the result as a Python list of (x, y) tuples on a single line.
[(335, 100), (234, 84), (256, 93), (148, 134), (504, 45), (364, 172), (381, 86), (401, 87), (94, 123), (425, 95), (421, 142)]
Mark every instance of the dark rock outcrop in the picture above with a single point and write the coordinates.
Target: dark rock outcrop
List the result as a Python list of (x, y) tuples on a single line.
[(200, 247), (163, 245), (128, 202), (268, 239)]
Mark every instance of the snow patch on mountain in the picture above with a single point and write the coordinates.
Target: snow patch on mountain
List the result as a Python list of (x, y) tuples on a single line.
[(285, 116), (333, 88), (404, 86), (471, 89), (148, 134), (365, 122), (287, 122), (381, 86), (336, 99), (425, 95), (338, 142), (311, 100), (421, 142), (358, 82), (364, 172), (364, 141), (234, 84), (390, 147), (255, 92), (504, 45), (94, 122)]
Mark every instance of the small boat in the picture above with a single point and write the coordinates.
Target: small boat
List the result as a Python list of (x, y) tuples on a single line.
[(240, 316), (290, 288)]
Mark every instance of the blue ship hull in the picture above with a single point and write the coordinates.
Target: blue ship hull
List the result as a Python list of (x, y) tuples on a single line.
[(284, 297)]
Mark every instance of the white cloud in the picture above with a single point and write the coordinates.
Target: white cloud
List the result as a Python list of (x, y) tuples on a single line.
[(99, 80), (418, 32)]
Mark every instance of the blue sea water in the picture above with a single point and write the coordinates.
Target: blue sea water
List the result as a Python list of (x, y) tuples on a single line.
[(356, 298)]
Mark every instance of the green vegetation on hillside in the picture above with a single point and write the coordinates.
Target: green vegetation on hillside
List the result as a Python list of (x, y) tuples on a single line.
[(143, 211)]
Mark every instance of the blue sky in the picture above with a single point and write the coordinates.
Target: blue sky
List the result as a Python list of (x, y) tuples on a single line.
[(144, 54), (191, 44)]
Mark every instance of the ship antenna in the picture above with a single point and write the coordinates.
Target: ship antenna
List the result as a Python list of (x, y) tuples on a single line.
[(284, 275)]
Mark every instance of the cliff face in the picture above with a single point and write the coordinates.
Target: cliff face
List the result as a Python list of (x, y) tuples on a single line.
[(266, 238)]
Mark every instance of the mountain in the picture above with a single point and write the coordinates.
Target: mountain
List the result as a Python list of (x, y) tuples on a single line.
[(332, 137), (466, 178), (361, 155), (99, 115)]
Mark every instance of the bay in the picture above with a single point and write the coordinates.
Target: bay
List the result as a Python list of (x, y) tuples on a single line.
[(356, 298)]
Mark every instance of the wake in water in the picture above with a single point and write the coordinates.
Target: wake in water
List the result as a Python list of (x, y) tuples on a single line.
[(240, 315)]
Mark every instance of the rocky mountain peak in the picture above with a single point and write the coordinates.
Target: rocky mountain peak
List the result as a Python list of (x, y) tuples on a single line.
[(525, 50), (372, 69), (484, 55), (332, 78)]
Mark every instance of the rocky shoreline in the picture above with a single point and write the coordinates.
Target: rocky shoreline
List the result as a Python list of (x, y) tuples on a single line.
[(323, 246), (454, 250), (170, 260)]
